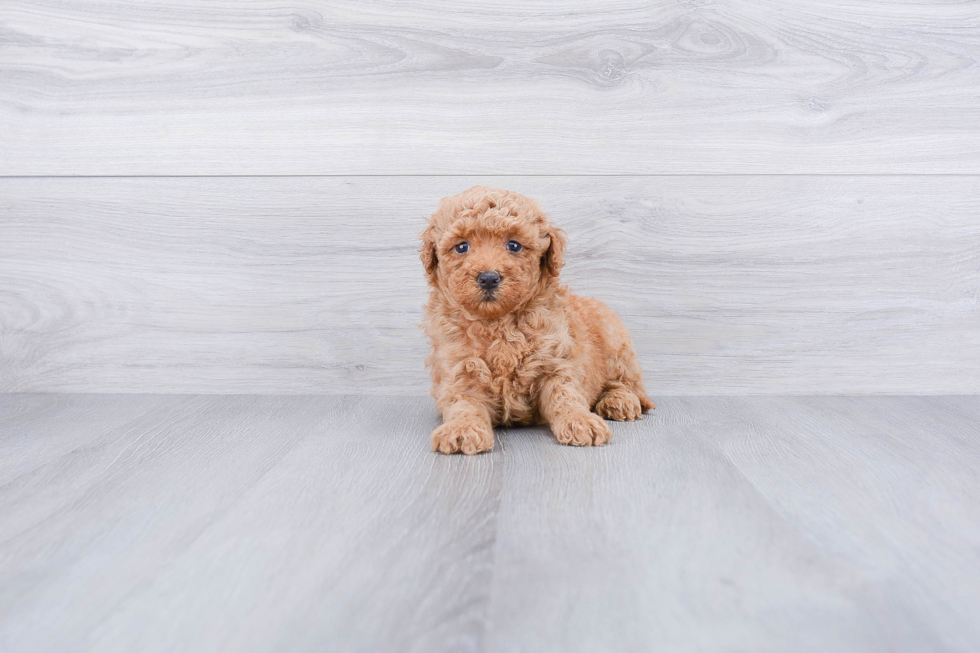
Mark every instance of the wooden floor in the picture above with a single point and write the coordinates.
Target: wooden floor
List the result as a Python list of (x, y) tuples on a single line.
[(256, 523)]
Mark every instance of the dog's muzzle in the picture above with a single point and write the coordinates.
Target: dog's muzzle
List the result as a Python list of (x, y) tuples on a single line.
[(488, 280)]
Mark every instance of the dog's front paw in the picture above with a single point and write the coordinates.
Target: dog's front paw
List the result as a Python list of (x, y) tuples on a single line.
[(462, 436), (582, 430)]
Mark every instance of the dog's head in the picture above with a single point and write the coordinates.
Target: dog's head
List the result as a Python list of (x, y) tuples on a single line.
[(490, 251)]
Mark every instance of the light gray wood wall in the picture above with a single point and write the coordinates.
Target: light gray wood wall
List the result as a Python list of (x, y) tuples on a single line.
[(503, 87), (776, 199), (729, 284)]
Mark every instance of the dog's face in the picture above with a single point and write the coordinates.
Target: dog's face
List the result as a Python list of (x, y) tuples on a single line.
[(489, 250)]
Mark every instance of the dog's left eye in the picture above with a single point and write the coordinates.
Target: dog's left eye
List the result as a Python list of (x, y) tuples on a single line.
[(514, 246)]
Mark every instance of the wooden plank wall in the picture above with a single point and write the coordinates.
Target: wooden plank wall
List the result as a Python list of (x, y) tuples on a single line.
[(224, 196)]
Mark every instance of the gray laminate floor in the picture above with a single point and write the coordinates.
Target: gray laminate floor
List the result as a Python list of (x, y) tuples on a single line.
[(239, 523)]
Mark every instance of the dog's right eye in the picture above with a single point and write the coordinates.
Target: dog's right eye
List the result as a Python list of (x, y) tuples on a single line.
[(462, 248)]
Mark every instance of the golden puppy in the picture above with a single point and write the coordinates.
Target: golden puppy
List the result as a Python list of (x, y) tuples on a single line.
[(510, 343)]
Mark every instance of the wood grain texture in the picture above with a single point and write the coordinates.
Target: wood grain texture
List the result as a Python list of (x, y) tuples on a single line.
[(737, 524), (901, 467), (509, 87), (772, 284), (246, 523), (241, 523)]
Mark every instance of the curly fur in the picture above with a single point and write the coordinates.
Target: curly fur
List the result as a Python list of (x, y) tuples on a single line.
[(532, 352)]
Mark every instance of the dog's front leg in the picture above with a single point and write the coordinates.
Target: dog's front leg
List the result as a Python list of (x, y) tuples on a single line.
[(466, 428), (567, 411)]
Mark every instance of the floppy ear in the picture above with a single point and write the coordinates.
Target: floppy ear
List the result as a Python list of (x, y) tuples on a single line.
[(554, 258), (428, 253)]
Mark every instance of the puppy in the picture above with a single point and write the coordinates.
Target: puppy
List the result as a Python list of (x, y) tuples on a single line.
[(510, 343)]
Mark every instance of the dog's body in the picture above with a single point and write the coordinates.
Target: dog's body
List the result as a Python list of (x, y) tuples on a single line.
[(510, 344)]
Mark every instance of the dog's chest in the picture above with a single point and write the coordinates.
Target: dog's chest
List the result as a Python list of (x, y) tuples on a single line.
[(514, 365), (508, 360)]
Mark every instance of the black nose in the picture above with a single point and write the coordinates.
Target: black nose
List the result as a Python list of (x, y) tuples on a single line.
[(488, 280)]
